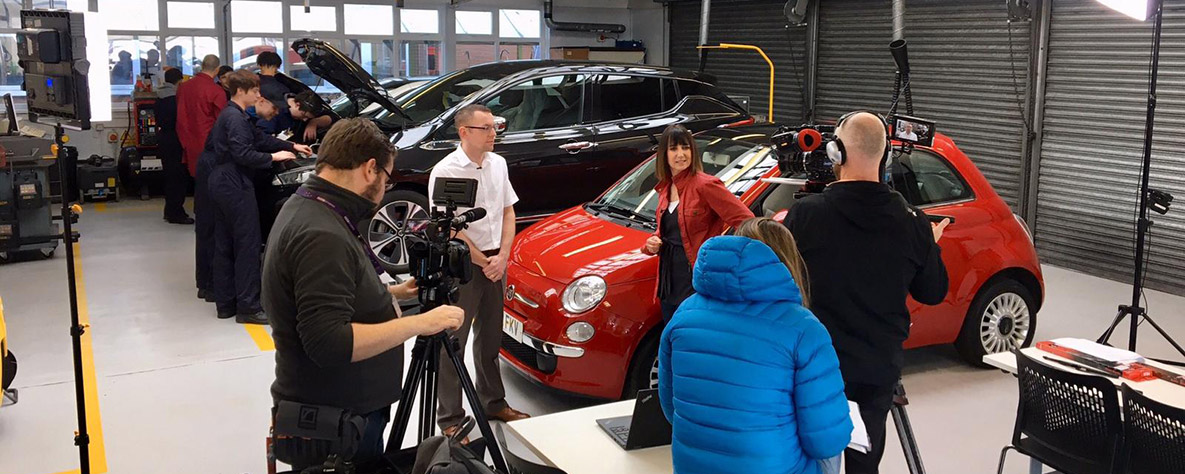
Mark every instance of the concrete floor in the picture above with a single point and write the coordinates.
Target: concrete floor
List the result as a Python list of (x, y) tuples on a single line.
[(179, 391)]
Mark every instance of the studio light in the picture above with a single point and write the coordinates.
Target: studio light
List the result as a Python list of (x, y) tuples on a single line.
[(1138, 9)]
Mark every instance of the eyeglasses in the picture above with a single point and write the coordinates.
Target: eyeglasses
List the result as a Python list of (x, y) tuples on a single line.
[(484, 128), (390, 179)]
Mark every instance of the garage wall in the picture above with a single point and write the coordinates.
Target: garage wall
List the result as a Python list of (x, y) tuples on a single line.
[(1092, 143), (964, 75), (739, 72)]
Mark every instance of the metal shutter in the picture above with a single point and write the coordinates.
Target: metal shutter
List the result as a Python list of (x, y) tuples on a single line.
[(1091, 148), (961, 72), (741, 72)]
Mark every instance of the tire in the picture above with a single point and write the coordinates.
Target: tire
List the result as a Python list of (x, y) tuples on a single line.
[(643, 371), (9, 371), (403, 212), (1001, 318)]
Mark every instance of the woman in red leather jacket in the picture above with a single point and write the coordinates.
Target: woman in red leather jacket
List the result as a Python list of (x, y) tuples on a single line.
[(693, 207)]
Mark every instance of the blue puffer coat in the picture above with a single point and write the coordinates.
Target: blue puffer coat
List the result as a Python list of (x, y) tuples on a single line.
[(747, 375)]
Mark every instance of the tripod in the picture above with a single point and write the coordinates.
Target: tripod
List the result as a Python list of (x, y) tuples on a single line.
[(425, 367), (909, 444), (1143, 223)]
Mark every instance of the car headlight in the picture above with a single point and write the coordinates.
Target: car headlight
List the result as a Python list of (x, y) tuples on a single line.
[(294, 177), (580, 331), (584, 294)]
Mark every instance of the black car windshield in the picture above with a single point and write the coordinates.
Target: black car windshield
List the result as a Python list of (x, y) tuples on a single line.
[(344, 107), (738, 164), (441, 94)]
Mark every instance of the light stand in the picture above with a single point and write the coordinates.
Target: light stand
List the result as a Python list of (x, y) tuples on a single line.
[(69, 237), (1134, 311)]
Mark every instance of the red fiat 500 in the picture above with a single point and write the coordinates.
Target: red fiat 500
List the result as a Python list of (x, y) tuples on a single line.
[(580, 312)]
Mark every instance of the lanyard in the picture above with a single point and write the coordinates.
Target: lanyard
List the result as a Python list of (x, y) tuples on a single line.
[(374, 259)]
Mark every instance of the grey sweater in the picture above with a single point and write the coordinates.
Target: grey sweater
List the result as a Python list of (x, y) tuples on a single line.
[(317, 279)]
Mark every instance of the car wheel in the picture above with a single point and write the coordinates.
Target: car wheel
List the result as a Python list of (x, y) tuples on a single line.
[(402, 213), (9, 371), (643, 372), (1001, 319)]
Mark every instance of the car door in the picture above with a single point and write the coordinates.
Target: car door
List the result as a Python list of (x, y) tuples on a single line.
[(629, 114), (929, 182)]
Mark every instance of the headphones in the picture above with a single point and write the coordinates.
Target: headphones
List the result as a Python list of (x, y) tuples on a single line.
[(835, 149)]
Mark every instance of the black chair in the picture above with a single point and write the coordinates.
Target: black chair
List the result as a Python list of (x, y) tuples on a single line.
[(1069, 421), (1154, 435), (519, 465)]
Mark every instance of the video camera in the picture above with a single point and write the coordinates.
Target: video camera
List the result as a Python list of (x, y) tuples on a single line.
[(439, 261)]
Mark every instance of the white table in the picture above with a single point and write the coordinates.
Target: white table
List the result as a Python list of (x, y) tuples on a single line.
[(573, 441), (1159, 390)]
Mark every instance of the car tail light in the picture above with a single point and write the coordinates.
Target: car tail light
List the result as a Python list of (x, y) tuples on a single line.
[(748, 121), (1024, 225)]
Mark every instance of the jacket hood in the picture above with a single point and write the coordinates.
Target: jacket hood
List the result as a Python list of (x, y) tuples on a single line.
[(866, 204), (166, 90), (734, 268)]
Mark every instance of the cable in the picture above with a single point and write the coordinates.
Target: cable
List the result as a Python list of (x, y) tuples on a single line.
[(794, 65), (1015, 86)]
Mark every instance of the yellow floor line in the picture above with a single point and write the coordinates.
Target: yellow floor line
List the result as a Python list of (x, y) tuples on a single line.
[(262, 338), (90, 386), (100, 207)]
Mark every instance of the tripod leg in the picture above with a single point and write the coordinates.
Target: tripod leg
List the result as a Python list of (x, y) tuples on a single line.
[(1176, 346), (479, 413), (403, 413), (909, 445), (428, 395), (1114, 324)]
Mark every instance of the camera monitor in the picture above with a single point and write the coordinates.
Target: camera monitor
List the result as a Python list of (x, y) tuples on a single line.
[(912, 130), (461, 191), (65, 63)]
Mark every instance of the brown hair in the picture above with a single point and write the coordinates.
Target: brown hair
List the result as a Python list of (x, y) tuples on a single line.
[(467, 112), (240, 80), (676, 135), (779, 238), (352, 142)]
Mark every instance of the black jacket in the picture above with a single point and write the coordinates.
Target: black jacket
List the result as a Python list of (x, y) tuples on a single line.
[(238, 148), (866, 249), (166, 120), (317, 279)]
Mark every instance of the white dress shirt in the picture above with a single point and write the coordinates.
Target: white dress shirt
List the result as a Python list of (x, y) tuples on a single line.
[(494, 193)]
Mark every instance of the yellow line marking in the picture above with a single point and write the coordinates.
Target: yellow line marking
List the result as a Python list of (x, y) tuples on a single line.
[(90, 386), (100, 207), (262, 338)]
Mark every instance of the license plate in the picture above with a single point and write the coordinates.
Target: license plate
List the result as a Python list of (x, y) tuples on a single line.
[(512, 327)]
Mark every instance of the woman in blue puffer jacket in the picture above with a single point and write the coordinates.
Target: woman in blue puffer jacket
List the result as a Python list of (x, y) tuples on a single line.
[(747, 376)]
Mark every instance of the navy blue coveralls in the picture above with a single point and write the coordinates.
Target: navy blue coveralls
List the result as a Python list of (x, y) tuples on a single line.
[(238, 149)]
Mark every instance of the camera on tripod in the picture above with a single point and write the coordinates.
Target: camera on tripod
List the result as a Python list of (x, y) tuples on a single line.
[(439, 261)]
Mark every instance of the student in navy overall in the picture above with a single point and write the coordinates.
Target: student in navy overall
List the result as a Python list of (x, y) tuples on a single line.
[(238, 148), (746, 374)]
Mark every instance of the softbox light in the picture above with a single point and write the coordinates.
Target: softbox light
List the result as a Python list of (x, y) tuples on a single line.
[(1138, 9)]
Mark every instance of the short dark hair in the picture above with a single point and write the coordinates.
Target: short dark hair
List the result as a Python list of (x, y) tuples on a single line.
[(467, 112), (268, 58), (173, 76), (240, 80), (352, 142), (675, 135), (306, 101), (223, 70)]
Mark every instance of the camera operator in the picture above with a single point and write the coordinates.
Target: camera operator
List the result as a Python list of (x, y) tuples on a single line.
[(336, 326), (866, 250), (489, 242)]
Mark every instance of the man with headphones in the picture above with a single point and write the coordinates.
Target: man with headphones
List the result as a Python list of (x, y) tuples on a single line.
[(866, 249)]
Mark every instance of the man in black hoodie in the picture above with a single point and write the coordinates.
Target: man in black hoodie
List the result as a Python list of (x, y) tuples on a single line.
[(866, 250)]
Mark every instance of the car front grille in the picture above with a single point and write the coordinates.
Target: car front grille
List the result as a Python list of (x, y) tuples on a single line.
[(534, 359)]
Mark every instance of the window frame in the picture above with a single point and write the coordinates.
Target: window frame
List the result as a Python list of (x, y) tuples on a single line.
[(596, 102), (969, 194), (584, 120)]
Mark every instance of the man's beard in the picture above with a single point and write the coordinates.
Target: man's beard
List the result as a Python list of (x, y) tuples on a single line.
[(374, 192)]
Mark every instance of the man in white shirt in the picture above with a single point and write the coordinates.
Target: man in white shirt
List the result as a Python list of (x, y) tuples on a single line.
[(489, 241), (905, 131)]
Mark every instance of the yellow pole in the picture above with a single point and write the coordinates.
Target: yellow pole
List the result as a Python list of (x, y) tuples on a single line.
[(767, 61)]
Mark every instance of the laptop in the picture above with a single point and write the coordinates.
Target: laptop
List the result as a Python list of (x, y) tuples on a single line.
[(647, 428)]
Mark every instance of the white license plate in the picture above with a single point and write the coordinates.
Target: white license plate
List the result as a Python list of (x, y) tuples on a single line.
[(512, 327)]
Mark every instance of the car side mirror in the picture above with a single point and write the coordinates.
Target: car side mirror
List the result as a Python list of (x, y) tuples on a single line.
[(499, 124)]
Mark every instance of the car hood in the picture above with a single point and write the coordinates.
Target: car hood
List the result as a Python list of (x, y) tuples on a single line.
[(329, 63), (574, 243)]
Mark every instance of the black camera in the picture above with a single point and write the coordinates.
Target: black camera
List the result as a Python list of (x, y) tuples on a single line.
[(802, 153), (439, 261)]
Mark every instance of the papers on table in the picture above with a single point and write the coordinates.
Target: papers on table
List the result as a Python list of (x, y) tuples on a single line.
[(860, 440), (1107, 353)]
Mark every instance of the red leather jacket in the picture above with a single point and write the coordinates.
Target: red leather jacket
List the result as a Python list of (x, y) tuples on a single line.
[(199, 101), (705, 209)]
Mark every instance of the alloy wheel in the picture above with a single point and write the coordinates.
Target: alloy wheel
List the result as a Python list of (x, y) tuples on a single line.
[(1004, 324), (390, 227)]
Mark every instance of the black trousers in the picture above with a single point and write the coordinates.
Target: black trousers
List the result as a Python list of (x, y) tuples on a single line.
[(237, 244), (875, 402), (176, 181), (203, 216)]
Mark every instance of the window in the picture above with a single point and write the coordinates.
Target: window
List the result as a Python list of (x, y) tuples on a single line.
[(134, 15), (245, 50), (377, 57), (190, 15), (924, 179), (186, 52), (419, 21), (10, 14), (518, 23), (131, 56), (628, 96), (475, 23), (317, 19), (249, 16), (72, 5), (512, 51), (369, 20), (11, 74), (472, 54), (419, 58), (543, 103)]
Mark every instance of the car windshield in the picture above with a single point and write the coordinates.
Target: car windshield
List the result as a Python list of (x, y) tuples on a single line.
[(738, 164), (344, 107), (435, 97)]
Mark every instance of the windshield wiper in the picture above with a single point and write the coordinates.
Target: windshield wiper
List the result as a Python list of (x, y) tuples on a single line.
[(619, 211)]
